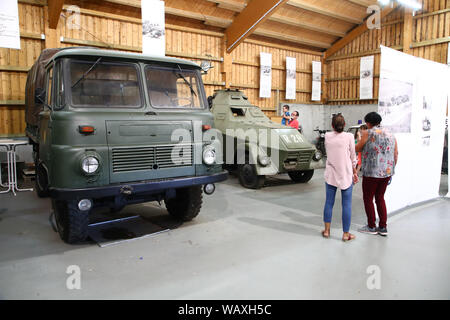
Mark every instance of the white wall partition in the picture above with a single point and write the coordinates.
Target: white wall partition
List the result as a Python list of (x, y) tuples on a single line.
[(412, 102)]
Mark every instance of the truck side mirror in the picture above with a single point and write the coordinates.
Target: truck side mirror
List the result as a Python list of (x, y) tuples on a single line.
[(39, 94)]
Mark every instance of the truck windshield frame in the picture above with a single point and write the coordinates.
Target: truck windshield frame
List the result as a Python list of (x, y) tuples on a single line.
[(111, 84), (174, 87)]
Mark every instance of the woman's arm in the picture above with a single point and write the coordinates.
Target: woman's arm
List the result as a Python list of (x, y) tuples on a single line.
[(395, 152), (364, 136), (353, 158)]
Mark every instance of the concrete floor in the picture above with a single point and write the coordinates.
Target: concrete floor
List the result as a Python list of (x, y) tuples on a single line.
[(245, 244)]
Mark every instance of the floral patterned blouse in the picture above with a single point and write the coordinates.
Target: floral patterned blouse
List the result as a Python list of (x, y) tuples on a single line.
[(378, 154)]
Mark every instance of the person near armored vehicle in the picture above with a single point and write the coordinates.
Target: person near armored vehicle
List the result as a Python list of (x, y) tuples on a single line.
[(340, 172), (286, 115), (379, 154), (294, 122)]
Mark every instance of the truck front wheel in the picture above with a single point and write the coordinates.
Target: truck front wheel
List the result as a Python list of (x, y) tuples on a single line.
[(71, 222), (187, 203), (249, 178), (301, 176)]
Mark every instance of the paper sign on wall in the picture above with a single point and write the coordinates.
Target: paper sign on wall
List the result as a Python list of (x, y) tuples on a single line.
[(9, 24), (366, 78), (153, 27), (291, 78), (316, 80), (265, 83)]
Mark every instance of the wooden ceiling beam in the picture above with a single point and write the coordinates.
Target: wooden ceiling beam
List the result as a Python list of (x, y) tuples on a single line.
[(239, 6), (363, 3), (323, 10), (285, 37), (305, 25), (256, 12), (54, 12), (356, 32)]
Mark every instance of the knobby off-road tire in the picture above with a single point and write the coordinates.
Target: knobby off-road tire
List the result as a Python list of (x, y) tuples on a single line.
[(187, 203), (301, 176), (72, 223), (249, 178)]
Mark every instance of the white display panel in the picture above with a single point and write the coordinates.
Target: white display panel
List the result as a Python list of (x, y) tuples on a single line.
[(291, 78), (153, 28), (366, 78), (420, 134), (265, 84), (316, 80), (9, 24)]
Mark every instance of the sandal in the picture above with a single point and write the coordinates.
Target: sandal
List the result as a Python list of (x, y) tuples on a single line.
[(325, 234), (350, 237)]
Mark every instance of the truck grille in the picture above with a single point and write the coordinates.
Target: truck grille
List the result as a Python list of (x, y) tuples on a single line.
[(151, 158)]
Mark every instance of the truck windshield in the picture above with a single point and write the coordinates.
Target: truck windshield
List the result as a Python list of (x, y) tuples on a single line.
[(174, 87), (105, 84)]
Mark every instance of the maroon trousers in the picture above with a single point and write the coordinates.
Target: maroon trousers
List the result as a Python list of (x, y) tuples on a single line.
[(375, 187)]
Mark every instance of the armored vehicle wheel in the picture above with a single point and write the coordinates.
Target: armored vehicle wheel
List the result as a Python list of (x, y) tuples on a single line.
[(41, 181), (187, 203), (72, 223), (301, 176), (249, 178)]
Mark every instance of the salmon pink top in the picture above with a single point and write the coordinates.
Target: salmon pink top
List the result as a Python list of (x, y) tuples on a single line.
[(341, 159)]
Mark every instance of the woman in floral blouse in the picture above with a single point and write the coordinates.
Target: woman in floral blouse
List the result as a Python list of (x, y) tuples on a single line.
[(379, 157)]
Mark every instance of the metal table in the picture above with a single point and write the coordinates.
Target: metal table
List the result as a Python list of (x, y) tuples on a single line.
[(10, 146)]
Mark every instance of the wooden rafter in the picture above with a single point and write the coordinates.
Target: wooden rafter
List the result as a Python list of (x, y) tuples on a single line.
[(323, 10), (363, 3), (256, 12), (54, 12), (291, 38), (356, 32)]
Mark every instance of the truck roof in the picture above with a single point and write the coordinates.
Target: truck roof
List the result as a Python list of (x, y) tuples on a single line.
[(83, 51)]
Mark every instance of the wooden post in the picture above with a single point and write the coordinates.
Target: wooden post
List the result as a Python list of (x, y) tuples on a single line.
[(51, 35), (227, 66), (407, 30)]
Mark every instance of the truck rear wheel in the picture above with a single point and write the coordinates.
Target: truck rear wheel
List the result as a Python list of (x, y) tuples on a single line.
[(301, 176), (187, 203), (249, 178), (72, 223)]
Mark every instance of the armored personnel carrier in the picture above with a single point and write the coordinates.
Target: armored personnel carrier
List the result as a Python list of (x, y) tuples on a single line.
[(254, 145)]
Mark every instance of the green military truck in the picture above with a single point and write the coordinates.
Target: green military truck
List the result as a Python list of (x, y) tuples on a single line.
[(111, 128), (274, 149)]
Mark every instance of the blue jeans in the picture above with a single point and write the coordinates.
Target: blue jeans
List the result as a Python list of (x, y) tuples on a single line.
[(346, 205)]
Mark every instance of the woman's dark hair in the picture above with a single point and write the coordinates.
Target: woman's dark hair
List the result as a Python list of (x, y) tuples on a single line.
[(373, 118), (338, 123)]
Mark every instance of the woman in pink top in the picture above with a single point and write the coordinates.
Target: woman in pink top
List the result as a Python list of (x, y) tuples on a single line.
[(340, 172)]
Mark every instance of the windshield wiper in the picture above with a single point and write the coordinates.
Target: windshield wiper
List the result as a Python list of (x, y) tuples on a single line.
[(187, 82), (87, 72)]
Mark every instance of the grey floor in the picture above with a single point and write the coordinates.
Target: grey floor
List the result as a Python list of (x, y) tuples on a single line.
[(245, 244)]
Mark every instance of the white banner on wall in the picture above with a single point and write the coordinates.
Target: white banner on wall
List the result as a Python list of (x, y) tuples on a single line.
[(316, 80), (153, 28), (420, 86), (9, 24), (265, 83), (366, 78), (291, 78)]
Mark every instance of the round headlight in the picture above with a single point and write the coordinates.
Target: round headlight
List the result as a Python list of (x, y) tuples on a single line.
[(89, 165), (264, 160), (209, 156)]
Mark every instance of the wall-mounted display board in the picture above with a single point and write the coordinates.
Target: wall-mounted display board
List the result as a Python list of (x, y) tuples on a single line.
[(413, 103), (9, 24), (153, 28)]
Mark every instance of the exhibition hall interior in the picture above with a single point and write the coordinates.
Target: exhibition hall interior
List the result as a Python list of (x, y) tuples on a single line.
[(223, 150)]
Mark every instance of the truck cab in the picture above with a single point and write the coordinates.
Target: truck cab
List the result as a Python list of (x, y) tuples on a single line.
[(111, 128)]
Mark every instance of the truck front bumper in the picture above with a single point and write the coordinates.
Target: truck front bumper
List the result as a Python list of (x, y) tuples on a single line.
[(137, 188)]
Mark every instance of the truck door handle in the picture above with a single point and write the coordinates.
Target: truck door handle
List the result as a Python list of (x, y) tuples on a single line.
[(150, 113)]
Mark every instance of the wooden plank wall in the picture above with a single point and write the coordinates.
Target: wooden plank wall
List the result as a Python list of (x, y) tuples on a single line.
[(343, 68), (122, 32)]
